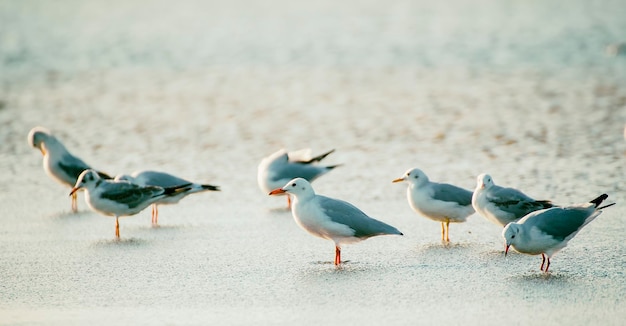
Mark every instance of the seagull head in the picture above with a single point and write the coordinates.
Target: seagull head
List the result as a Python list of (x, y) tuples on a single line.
[(484, 181), (86, 179), (298, 187), (414, 177), (511, 235), (37, 138)]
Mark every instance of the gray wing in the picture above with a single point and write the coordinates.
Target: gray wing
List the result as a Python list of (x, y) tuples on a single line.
[(450, 193), (345, 213), (514, 201), (560, 222), (161, 179), (72, 166), (130, 194), (299, 170)]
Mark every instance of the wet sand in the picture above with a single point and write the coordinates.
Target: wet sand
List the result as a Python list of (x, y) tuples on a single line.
[(205, 90)]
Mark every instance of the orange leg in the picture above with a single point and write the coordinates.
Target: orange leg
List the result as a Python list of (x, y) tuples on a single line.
[(337, 255), (288, 201), (443, 232), (117, 227), (448, 231), (155, 214), (74, 202)]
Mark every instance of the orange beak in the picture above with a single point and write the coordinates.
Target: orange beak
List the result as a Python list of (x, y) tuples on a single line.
[(74, 190), (277, 191), (506, 250), (398, 180)]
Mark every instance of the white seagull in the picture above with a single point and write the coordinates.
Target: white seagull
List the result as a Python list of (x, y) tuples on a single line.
[(547, 231), (500, 205), (330, 218), (439, 202), (119, 198), (58, 162), (277, 169), (165, 180)]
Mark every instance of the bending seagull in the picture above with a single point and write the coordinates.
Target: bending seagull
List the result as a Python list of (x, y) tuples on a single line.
[(439, 202), (500, 205), (277, 169), (330, 218), (547, 231), (119, 198), (58, 162), (165, 180)]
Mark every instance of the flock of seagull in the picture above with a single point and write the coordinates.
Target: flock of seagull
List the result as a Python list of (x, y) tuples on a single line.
[(529, 226)]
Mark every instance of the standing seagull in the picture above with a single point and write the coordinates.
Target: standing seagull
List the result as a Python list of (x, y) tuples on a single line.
[(547, 231), (165, 180), (500, 205), (277, 169), (58, 162), (119, 198), (330, 218), (439, 202)]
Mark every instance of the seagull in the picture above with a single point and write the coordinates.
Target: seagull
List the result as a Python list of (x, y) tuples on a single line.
[(330, 218), (165, 180), (120, 198), (502, 206), (439, 202), (277, 169), (547, 231), (58, 162)]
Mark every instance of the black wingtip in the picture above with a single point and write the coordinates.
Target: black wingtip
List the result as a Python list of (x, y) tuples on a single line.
[(599, 200), (318, 158), (104, 175), (330, 167), (177, 189), (211, 187), (605, 206)]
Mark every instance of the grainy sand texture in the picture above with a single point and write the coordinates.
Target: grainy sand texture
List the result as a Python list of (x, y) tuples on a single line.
[(522, 90)]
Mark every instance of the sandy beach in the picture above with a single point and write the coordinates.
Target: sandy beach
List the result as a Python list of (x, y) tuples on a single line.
[(522, 90)]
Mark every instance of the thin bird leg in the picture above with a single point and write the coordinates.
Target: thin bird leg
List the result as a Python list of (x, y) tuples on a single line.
[(155, 214), (543, 260), (443, 232), (288, 201), (548, 265), (337, 255), (117, 227), (74, 202), (448, 231)]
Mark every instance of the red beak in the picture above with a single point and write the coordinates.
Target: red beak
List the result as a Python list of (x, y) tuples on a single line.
[(74, 190), (277, 191), (506, 251)]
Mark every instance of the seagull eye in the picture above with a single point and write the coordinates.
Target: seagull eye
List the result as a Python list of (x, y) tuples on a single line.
[(513, 236), (293, 184)]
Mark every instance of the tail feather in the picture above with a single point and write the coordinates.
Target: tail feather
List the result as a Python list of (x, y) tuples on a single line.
[(330, 167), (210, 187), (318, 158), (599, 200)]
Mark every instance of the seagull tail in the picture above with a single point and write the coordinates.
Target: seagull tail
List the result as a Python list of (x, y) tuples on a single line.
[(545, 204), (330, 167), (605, 206)]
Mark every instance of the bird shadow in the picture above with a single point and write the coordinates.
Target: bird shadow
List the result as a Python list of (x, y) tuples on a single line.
[(119, 242), (282, 209), (539, 277), (65, 215)]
